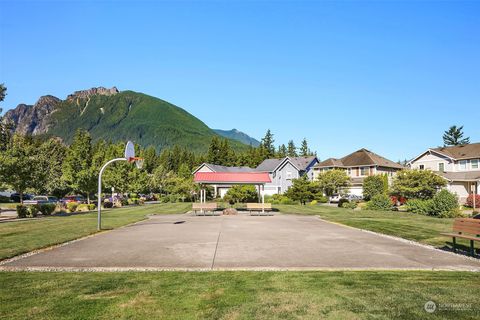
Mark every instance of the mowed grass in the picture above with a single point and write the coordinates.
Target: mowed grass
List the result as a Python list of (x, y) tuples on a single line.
[(423, 229), (23, 236), (238, 295)]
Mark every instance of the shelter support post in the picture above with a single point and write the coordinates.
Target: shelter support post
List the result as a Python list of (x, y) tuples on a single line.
[(263, 198)]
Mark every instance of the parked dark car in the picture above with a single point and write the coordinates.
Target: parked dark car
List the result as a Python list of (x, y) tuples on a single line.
[(42, 200), (15, 197), (78, 199)]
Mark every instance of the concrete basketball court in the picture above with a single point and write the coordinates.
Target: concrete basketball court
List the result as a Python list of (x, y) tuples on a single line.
[(240, 242)]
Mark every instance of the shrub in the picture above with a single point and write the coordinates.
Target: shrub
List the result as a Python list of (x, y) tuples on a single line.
[(4, 199), (400, 201), (350, 205), (341, 202), (86, 207), (108, 204), (33, 211), (240, 193), (72, 206), (22, 211), (379, 202), (320, 198), (47, 208), (374, 185), (419, 206), (469, 202), (445, 204)]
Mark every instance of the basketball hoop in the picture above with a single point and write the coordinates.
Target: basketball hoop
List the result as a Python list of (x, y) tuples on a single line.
[(138, 161)]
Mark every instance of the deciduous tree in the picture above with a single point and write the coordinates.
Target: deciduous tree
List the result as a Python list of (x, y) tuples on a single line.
[(417, 184)]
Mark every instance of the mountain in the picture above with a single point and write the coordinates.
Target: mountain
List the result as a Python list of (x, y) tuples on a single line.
[(235, 134), (116, 116)]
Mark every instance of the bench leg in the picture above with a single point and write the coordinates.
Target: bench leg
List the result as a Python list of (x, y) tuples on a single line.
[(472, 249), (454, 243)]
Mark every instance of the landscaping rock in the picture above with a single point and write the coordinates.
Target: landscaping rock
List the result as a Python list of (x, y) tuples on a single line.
[(230, 211)]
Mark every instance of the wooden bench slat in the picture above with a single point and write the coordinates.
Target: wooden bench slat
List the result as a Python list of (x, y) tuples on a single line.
[(456, 235)]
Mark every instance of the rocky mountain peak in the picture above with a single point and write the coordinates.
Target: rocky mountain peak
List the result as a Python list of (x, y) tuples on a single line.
[(84, 94)]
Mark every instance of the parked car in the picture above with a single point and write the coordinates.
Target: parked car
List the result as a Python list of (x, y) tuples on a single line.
[(78, 199), (42, 200), (352, 197), (335, 198), (15, 197)]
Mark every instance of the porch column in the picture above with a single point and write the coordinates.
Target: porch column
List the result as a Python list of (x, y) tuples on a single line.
[(263, 198), (215, 191)]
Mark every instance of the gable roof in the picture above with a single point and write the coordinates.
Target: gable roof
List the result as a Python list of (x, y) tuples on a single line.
[(219, 168), (302, 163), (232, 177), (467, 151), (270, 165), (362, 157)]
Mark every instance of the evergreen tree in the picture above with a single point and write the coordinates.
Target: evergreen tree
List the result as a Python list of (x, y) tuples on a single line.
[(268, 145), (454, 137), (150, 156), (304, 151), (282, 151), (78, 172), (51, 156), (291, 149), (214, 151)]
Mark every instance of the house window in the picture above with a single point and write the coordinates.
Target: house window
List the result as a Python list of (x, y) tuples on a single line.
[(364, 171), (462, 165), (289, 175), (474, 164), (421, 167), (441, 167), (349, 170)]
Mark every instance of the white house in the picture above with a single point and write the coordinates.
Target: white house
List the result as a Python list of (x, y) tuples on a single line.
[(459, 165)]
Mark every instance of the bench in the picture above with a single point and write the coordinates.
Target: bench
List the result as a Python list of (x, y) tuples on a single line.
[(259, 208), (465, 228), (205, 208)]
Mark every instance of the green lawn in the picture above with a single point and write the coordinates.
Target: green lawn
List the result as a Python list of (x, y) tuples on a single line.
[(23, 236), (423, 229), (238, 295), (8, 205)]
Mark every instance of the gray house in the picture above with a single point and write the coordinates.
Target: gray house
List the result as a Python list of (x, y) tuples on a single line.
[(281, 172)]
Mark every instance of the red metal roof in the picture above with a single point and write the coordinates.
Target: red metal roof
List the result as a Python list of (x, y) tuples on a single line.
[(232, 177)]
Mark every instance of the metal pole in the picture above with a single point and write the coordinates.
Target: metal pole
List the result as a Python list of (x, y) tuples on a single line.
[(99, 201)]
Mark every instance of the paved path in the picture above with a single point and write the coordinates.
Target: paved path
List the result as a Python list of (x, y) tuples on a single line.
[(242, 242)]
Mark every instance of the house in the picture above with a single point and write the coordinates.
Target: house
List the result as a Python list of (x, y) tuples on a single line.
[(281, 172), (359, 165), (221, 190), (459, 165)]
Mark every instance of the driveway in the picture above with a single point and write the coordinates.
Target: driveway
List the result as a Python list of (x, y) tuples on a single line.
[(241, 242)]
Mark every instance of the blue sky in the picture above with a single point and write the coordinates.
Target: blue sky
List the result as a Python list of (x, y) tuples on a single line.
[(387, 76)]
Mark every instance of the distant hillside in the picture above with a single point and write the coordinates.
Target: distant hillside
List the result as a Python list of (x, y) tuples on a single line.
[(239, 136), (117, 116)]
